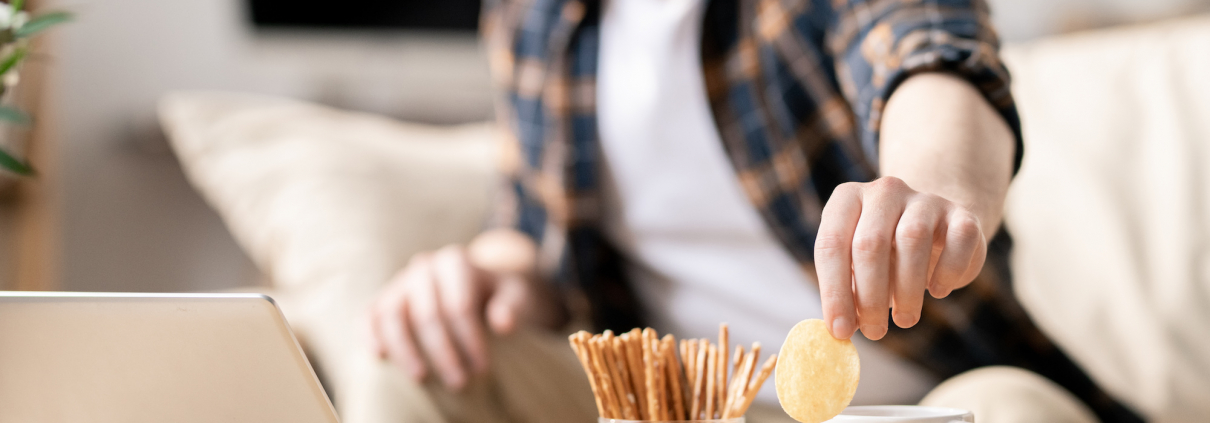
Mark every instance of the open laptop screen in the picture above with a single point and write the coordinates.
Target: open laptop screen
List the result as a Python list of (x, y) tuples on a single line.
[(459, 15)]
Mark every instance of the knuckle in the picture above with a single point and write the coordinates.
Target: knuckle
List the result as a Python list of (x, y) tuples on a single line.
[(965, 227), (449, 255), (885, 186), (847, 189), (889, 182), (424, 314), (867, 312), (914, 234), (830, 245), (886, 191), (871, 305), (870, 245), (460, 305), (834, 298), (934, 199)]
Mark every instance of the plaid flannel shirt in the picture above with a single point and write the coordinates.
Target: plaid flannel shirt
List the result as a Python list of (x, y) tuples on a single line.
[(796, 88)]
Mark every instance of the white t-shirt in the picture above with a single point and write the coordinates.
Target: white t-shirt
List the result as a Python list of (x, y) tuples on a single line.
[(698, 251)]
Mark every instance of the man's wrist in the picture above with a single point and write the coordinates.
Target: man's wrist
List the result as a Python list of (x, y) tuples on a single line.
[(941, 136)]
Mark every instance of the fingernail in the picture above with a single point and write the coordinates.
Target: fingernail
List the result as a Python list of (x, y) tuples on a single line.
[(872, 332), (842, 328), (905, 320)]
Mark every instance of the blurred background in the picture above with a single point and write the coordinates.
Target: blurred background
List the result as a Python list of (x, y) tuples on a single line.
[(112, 210)]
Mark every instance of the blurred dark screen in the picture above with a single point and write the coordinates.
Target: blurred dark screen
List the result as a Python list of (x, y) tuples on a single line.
[(366, 14)]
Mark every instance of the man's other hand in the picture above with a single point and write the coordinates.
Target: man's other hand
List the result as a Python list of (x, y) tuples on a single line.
[(435, 314), (881, 244)]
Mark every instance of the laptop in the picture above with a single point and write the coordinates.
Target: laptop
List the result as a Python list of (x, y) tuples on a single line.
[(132, 358)]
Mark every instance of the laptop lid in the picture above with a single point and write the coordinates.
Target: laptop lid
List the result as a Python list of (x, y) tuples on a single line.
[(72, 357)]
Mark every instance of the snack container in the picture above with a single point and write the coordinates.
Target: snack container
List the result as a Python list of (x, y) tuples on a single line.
[(902, 414), (731, 420)]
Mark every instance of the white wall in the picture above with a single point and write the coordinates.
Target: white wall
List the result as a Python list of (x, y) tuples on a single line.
[(131, 222), (1020, 20)]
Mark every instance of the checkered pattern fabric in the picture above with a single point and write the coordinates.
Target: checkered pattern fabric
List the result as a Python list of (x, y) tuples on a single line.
[(797, 89)]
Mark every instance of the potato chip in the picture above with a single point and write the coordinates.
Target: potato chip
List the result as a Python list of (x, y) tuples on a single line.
[(816, 373)]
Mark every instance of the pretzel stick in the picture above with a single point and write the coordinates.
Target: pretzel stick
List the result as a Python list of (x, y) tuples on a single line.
[(690, 360), (683, 349), (724, 346), (747, 386), (634, 360), (615, 374), (732, 389), (653, 396), (661, 378), (739, 358), (749, 367), (736, 393), (617, 354), (754, 387), (577, 344), (607, 383), (699, 380), (687, 371), (621, 352), (711, 379), (674, 379), (735, 378)]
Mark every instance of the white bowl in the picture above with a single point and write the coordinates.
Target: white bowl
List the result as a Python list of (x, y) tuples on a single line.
[(902, 414)]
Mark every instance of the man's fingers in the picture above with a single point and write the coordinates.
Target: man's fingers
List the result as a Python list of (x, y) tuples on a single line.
[(507, 303), (397, 340), (833, 260), (962, 238), (976, 264), (913, 247), (882, 205), (461, 304), (389, 333), (424, 314)]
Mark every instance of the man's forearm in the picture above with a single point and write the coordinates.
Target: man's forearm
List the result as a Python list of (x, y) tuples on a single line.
[(940, 136)]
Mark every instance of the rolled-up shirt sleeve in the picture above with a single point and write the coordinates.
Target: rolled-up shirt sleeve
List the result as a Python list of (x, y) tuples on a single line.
[(879, 44)]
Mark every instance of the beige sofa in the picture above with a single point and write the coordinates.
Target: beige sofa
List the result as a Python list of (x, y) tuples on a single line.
[(1111, 210)]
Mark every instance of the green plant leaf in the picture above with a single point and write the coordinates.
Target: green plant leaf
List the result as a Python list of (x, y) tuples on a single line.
[(11, 115), (11, 163), (17, 5), (12, 60), (41, 23)]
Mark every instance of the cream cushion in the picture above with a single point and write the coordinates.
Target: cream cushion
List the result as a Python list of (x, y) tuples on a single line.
[(1111, 208), (330, 204), (1002, 394)]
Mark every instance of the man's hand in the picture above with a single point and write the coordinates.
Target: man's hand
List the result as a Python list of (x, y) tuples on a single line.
[(946, 156), (436, 312), (884, 245)]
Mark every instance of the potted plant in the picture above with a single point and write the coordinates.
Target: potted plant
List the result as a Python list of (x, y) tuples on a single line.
[(17, 27)]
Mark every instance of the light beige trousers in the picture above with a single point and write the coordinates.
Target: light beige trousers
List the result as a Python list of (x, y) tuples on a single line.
[(536, 378)]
